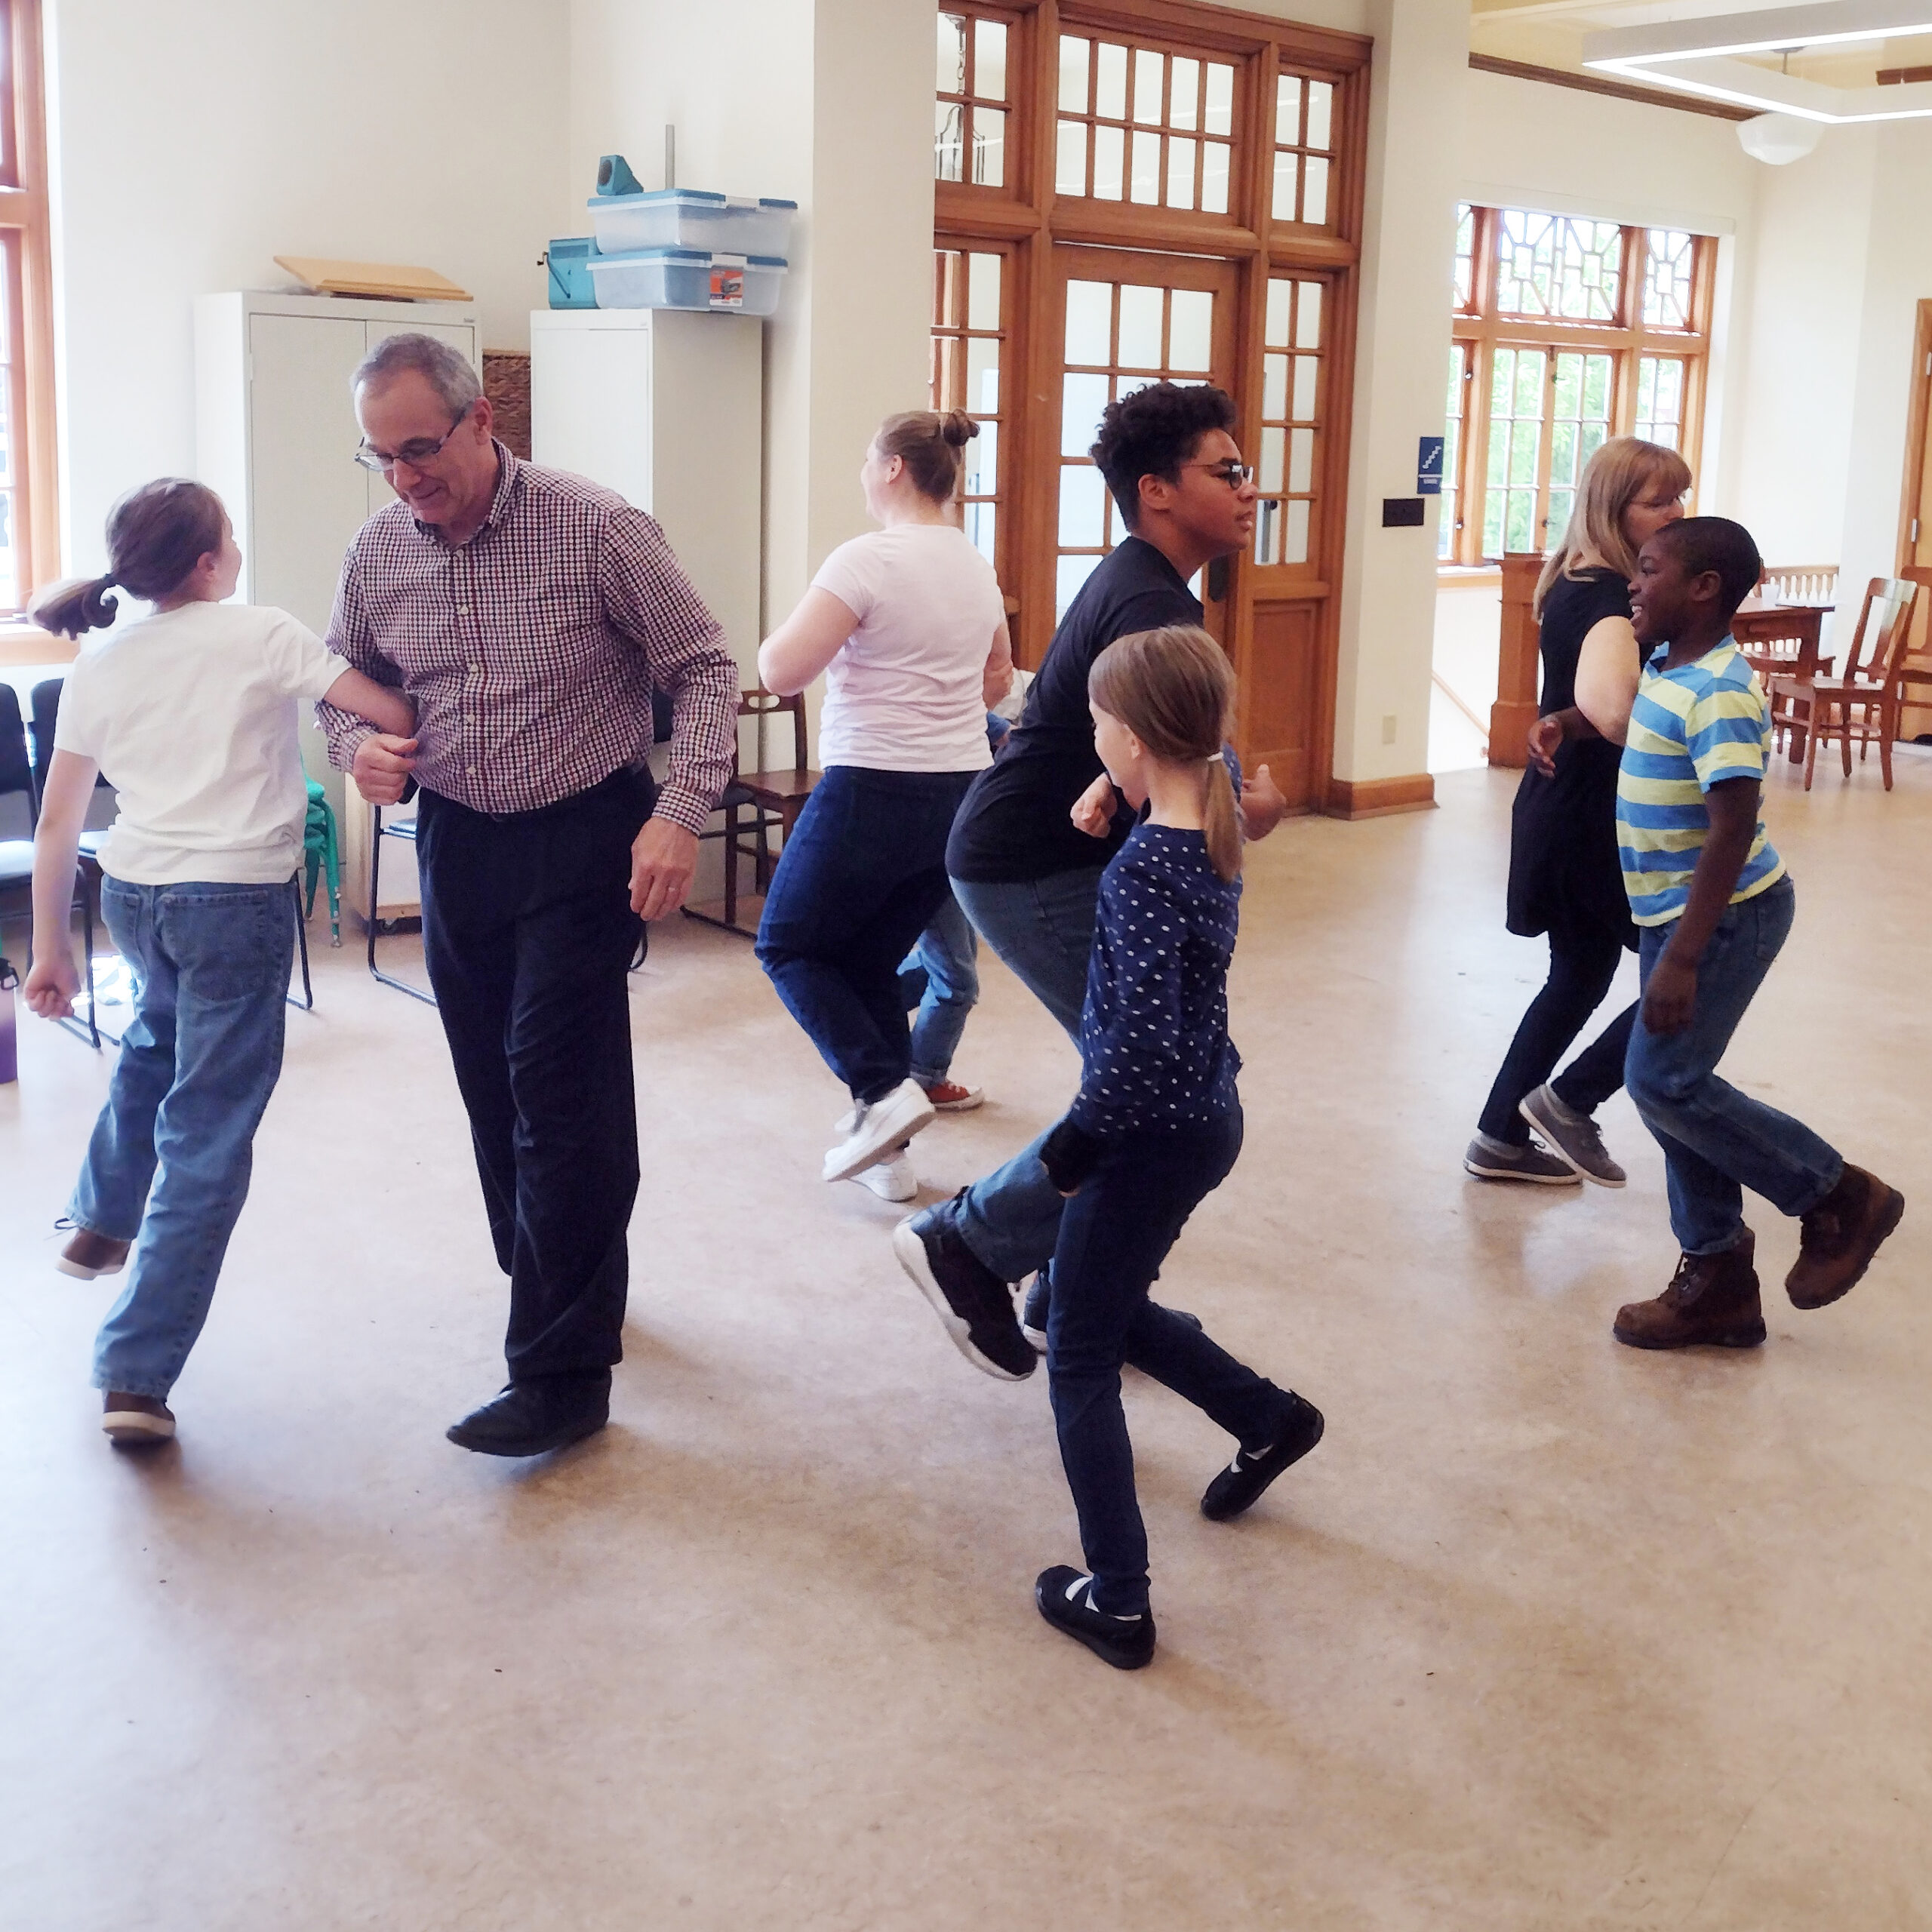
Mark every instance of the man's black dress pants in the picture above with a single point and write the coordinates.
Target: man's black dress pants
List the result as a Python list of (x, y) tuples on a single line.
[(529, 934)]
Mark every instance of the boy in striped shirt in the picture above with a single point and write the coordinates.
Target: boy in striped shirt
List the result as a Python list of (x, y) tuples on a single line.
[(1713, 904)]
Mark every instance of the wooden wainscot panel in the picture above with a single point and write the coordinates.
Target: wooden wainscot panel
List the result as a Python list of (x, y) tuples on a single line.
[(1280, 686), (1377, 797)]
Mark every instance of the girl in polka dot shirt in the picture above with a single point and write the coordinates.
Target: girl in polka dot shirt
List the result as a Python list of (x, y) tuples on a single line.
[(1156, 1128)]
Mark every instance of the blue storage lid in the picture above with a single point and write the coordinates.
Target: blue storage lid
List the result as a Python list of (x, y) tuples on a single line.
[(702, 197), (690, 258)]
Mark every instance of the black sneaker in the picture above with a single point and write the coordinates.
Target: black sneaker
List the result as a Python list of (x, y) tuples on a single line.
[(531, 1418), (1066, 1600), (1241, 1483), (973, 1305)]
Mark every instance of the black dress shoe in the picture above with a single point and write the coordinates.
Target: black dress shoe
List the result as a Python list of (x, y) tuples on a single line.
[(529, 1418), (1066, 1600), (1242, 1482)]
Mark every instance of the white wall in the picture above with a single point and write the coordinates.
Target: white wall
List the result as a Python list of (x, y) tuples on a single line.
[(1898, 276), (1800, 356), (190, 146), (1389, 576), (826, 103)]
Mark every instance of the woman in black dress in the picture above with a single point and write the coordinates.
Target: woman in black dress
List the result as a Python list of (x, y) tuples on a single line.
[(1565, 878)]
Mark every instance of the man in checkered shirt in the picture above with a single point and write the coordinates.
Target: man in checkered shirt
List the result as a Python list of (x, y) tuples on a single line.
[(529, 614)]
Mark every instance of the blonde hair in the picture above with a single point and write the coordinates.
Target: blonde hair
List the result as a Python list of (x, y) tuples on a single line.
[(1619, 472), (1174, 690)]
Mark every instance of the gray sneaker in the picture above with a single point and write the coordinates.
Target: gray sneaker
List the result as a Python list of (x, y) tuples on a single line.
[(1497, 1160), (1571, 1135)]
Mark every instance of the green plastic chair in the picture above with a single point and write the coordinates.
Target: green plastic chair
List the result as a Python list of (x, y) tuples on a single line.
[(322, 857)]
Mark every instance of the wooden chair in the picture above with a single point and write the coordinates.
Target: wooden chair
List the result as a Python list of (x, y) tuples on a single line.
[(774, 796), (1865, 702)]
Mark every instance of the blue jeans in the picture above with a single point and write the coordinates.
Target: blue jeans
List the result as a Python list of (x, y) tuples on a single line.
[(940, 977), (1115, 1235), (172, 1151), (1716, 1141), (859, 879), (1043, 930)]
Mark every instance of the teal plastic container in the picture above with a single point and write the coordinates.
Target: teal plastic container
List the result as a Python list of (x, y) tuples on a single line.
[(569, 262)]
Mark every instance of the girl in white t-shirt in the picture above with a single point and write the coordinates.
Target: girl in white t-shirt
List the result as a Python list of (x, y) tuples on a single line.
[(909, 627), (191, 715)]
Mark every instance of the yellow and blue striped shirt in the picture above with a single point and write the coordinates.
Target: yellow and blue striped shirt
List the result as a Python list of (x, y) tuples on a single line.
[(1690, 729)]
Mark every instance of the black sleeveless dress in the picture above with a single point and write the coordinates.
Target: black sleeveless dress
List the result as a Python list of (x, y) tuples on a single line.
[(1565, 878)]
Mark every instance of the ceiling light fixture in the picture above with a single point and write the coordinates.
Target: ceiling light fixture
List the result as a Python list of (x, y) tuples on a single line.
[(1658, 53)]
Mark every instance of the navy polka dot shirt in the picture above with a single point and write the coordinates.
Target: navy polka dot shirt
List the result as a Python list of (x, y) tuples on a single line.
[(1154, 1038)]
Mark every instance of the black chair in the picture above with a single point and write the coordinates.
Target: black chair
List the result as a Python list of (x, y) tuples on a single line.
[(403, 829), (16, 774)]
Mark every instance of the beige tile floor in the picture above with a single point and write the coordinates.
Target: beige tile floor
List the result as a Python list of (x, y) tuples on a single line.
[(1547, 1634)]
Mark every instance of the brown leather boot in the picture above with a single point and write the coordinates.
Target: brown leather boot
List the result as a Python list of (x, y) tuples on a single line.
[(1840, 1236), (1713, 1300), (87, 1254)]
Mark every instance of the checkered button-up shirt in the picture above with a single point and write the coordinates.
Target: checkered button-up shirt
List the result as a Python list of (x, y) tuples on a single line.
[(532, 650)]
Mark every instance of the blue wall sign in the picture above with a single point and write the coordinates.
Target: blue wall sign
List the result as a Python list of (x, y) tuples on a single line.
[(1429, 466)]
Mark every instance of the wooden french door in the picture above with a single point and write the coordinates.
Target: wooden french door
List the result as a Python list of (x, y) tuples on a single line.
[(1121, 319)]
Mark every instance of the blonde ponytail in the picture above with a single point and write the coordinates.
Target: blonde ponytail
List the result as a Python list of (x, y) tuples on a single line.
[(1218, 819)]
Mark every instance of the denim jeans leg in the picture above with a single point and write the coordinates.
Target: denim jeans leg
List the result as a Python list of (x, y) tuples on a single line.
[(112, 1193), (946, 956), (860, 877), (1717, 1141), (1116, 1232), (1043, 931), (231, 947)]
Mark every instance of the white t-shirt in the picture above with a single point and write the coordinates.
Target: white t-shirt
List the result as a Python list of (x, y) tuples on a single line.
[(907, 689), (191, 716)]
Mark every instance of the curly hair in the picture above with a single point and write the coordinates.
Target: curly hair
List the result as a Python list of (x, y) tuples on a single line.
[(1151, 432)]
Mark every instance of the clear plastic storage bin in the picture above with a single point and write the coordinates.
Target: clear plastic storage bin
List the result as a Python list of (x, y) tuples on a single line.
[(688, 279), (689, 218)]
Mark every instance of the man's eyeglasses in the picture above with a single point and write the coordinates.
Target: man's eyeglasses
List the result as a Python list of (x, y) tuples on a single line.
[(1234, 475), (416, 452)]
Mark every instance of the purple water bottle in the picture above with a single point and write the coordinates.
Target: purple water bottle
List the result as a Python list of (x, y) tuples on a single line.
[(10, 1058)]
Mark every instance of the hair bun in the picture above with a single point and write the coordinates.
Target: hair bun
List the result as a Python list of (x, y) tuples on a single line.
[(957, 427)]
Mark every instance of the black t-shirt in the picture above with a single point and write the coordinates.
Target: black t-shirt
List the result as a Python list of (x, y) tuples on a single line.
[(1013, 825), (1565, 876)]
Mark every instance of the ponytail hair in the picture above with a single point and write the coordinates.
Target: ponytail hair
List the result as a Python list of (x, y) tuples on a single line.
[(155, 536), (1174, 690), (928, 443)]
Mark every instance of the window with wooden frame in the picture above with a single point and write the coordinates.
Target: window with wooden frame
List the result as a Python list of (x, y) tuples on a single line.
[(1177, 195), (29, 537), (1566, 331), (968, 345)]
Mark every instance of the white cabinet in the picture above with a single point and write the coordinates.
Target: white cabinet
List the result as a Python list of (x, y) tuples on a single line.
[(276, 436), (666, 407)]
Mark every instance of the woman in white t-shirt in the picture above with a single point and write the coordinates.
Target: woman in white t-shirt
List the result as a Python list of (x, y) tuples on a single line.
[(909, 627), (191, 714)]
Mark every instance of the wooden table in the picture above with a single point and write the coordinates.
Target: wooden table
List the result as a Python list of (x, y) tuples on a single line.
[(1781, 640)]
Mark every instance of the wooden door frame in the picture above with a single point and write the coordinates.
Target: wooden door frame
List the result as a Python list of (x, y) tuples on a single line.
[(1040, 549), (1030, 215), (1920, 395)]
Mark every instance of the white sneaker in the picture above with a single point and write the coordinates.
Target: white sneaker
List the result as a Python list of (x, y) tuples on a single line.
[(879, 1130), (892, 1179)]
